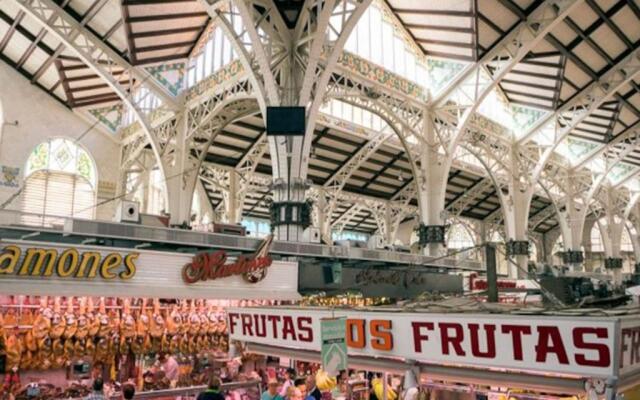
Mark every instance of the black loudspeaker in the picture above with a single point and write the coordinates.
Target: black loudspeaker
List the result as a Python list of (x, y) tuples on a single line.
[(286, 121)]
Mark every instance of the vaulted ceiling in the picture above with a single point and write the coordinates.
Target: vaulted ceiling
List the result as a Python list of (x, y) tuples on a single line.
[(587, 44)]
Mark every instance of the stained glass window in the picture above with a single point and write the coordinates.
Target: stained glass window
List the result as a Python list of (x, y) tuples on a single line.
[(459, 237), (596, 238), (62, 155), (217, 51), (625, 240)]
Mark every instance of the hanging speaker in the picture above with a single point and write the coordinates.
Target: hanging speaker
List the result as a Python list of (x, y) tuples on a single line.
[(286, 121)]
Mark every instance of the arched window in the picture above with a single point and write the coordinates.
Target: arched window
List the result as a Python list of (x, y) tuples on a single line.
[(60, 180), (459, 237), (625, 240), (558, 246), (496, 237), (596, 238)]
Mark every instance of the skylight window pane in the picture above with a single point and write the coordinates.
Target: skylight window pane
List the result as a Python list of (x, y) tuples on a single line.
[(200, 67), (411, 66), (357, 115), (387, 46), (217, 44), (398, 49), (364, 38), (376, 34), (208, 58)]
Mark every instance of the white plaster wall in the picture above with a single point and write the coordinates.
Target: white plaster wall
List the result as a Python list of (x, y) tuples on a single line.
[(40, 117)]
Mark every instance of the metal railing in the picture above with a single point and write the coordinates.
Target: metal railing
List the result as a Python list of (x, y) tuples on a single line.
[(187, 238)]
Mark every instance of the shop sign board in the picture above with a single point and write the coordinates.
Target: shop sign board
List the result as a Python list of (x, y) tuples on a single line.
[(67, 263), (215, 265), (546, 344), (58, 269), (629, 346), (333, 344)]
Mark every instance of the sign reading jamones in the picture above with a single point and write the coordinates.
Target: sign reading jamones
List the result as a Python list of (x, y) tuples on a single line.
[(577, 346), (60, 269)]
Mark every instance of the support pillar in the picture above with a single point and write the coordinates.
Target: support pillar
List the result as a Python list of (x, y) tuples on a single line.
[(612, 238), (515, 202), (431, 181), (180, 179), (233, 208), (299, 78), (290, 212), (572, 220)]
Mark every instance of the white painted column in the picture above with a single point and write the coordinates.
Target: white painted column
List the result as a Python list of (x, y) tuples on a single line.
[(612, 240), (181, 177), (431, 182), (572, 221), (515, 206)]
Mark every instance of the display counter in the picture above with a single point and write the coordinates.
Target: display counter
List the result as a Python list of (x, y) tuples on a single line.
[(251, 390)]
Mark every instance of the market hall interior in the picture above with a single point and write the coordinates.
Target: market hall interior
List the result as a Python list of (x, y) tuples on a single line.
[(320, 199)]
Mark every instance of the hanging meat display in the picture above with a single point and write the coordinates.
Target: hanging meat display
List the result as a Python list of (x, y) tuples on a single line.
[(61, 330)]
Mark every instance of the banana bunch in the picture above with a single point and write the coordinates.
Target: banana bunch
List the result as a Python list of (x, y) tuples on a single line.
[(324, 382), (378, 389)]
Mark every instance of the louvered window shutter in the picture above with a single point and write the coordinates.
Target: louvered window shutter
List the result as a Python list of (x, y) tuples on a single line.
[(50, 194)]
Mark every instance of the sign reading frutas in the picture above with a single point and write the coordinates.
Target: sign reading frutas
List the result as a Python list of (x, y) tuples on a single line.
[(334, 347), (67, 263), (533, 343), (210, 266)]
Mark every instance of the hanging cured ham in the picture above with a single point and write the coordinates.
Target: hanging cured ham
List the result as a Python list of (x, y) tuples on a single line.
[(70, 320), (57, 321), (61, 331), (83, 323)]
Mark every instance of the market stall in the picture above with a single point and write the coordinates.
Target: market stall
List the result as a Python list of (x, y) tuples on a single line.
[(71, 313), (525, 353)]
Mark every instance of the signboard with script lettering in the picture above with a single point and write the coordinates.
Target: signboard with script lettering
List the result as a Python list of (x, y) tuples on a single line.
[(58, 269), (215, 265)]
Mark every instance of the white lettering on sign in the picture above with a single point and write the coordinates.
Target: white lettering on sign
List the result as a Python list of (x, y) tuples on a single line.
[(578, 346)]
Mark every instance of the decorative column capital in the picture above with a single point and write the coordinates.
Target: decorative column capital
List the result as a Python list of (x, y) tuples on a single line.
[(612, 263), (517, 247), (573, 257), (428, 234), (291, 213)]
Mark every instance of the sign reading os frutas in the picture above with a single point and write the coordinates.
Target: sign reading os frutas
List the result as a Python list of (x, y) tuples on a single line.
[(579, 346)]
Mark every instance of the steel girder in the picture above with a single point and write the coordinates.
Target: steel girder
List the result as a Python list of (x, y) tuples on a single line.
[(622, 138), (467, 93), (344, 219), (557, 126), (457, 207), (104, 62), (334, 185)]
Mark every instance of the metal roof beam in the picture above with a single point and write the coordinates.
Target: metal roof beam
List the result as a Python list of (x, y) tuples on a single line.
[(589, 99), (628, 133), (95, 53), (471, 88)]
